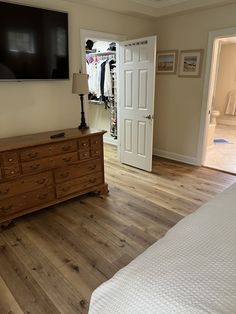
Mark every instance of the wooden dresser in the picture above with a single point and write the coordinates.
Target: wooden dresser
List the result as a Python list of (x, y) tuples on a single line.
[(37, 171)]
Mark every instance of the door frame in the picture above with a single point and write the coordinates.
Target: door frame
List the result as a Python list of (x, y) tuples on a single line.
[(85, 33), (209, 84)]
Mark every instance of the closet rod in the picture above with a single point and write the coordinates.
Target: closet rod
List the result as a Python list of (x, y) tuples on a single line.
[(103, 53)]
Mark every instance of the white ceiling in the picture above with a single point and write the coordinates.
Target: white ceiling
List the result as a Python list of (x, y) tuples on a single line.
[(153, 8)]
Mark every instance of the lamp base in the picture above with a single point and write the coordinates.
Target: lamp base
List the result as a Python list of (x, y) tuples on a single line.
[(83, 126)]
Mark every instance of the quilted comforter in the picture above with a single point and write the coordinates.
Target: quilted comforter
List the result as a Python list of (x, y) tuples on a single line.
[(191, 270)]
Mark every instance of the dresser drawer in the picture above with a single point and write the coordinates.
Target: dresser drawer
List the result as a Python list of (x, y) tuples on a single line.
[(96, 141), (11, 170), (84, 144), (9, 157), (35, 153), (48, 150), (26, 184), (78, 170), (29, 200), (96, 152), (65, 147), (49, 163), (10, 165), (83, 155), (79, 184)]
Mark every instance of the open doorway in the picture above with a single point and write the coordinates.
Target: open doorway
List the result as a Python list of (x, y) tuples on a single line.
[(101, 66), (99, 56), (122, 105), (216, 147), (221, 138)]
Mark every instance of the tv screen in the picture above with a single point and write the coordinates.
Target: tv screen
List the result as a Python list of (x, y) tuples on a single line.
[(33, 43)]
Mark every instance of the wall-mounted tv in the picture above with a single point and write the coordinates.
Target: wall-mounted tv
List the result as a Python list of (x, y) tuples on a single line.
[(33, 43)]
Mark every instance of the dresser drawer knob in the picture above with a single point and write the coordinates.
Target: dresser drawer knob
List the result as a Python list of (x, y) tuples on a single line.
[(4, 192), (32, 155), (10, 159), (43, 196), (12, 172), (42, 181), (64, 174), (84, 144), (5, 209), (35, 167)]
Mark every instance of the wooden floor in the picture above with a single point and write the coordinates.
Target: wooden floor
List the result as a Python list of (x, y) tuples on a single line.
[(52, 260)]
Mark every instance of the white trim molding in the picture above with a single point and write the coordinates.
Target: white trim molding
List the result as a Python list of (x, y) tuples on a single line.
[(178, 157)]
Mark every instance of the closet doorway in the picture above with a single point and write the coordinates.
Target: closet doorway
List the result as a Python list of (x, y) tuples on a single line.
[(122, 88), (101, 108)]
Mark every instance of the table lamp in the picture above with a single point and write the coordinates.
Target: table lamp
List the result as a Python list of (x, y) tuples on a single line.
[(80, 87)]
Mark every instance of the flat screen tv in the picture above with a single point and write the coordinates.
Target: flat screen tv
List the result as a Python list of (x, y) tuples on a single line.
[(33, 43)]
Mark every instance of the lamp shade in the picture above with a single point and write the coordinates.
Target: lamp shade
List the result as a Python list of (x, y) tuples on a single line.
[(80, 84)]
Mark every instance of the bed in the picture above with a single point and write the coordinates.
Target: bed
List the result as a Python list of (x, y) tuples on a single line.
[(192, 269)]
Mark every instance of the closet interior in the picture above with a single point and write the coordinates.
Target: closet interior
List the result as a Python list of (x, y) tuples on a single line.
[(102, 71)]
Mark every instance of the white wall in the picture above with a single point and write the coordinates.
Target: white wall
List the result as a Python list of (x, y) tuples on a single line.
[(30, 107), (226, 80), (179, 100)]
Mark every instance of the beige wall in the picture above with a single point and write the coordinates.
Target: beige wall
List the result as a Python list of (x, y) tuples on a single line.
[(226, 80), (30, 107), (179, 100)]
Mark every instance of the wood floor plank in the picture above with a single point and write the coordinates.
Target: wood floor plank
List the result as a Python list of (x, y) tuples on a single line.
[(26, 291), (92, 224), (72, 263), (72, 242), (52, 260), (8, 303), (60, 292)]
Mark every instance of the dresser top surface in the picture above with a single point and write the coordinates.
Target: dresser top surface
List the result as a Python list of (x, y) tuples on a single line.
[(30, 140)]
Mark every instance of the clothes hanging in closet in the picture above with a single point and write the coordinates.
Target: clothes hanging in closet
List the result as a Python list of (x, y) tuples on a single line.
[(102, 84), (100, 79)]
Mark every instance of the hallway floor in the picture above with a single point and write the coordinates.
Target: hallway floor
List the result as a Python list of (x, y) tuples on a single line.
[(223, 156)]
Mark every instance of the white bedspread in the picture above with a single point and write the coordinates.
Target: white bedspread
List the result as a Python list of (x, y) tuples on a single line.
[(191, 270)]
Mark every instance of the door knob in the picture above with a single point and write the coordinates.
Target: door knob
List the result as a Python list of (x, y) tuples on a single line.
[(149, 117)]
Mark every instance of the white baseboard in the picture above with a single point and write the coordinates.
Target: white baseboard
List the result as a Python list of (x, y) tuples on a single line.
[(110, 140), (177, 157)]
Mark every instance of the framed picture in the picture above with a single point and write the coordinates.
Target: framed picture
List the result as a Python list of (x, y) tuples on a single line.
[(190, 64), (167, 62)]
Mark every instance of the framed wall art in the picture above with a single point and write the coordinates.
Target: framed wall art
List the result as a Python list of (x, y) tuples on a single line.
[(190, 63), (167, 62)]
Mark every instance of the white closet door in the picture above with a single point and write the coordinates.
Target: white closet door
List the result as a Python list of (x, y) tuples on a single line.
[(136, 90)]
